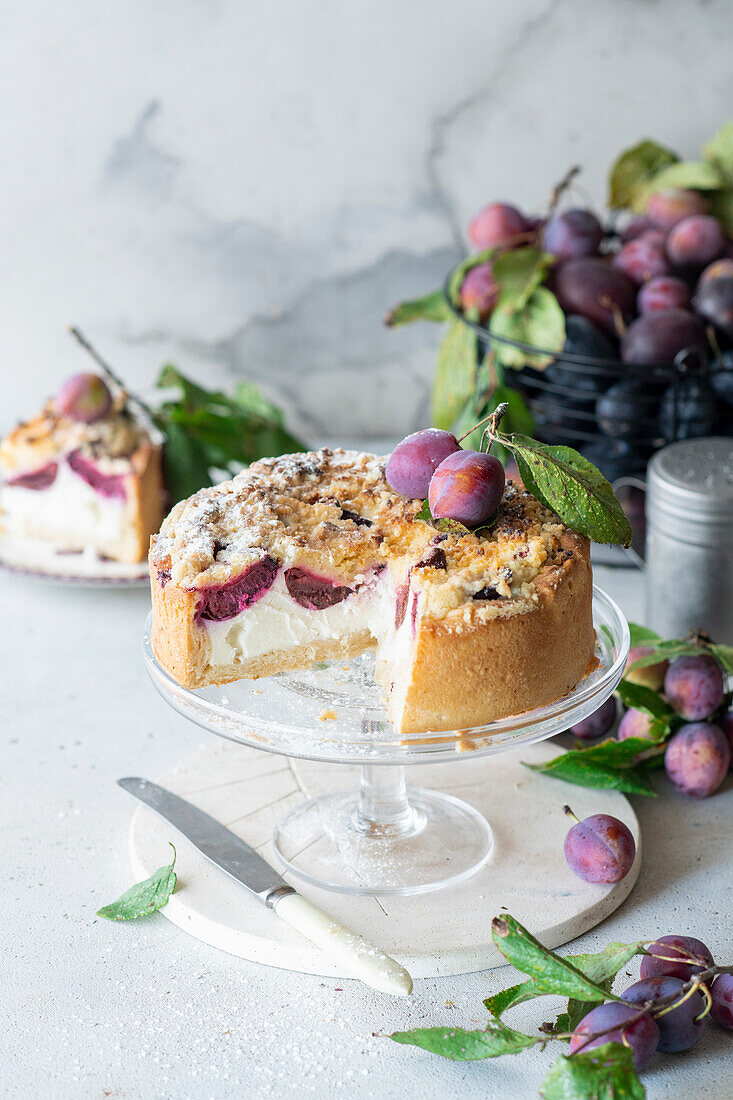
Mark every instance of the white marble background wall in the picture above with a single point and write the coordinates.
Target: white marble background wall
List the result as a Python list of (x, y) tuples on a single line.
[(244, 188)]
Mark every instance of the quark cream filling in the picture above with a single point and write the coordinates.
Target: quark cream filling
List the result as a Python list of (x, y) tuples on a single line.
[(69, 509), (277, 622)]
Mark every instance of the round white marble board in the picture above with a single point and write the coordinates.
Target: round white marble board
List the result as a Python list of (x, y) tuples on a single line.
[(440, 933)]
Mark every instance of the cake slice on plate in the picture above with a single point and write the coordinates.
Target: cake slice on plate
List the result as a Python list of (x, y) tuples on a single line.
[(85, 474), (313, 556)]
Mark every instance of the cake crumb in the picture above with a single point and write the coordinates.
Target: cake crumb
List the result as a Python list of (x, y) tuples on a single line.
[(328, 715)]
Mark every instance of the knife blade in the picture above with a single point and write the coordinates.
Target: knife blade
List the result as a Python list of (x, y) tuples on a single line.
[(241, 862)]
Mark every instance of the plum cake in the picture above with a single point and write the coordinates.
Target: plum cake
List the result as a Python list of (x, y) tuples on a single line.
[(81, 485), (312, 556)]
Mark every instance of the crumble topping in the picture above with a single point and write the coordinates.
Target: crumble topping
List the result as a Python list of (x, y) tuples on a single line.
[(333, 512), (107, 441)]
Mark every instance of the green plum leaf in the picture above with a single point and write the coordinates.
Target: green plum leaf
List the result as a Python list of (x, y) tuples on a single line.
[(431, 307), (539, 323), (468, 1046), (604, 1073), (518, 273), (719, 152), (145, 897), (549, 972), (642, 635), (455, 376), (633, 171), (572, 487)]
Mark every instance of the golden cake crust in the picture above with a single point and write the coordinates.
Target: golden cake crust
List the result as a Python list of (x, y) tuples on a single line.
[(504, 619)]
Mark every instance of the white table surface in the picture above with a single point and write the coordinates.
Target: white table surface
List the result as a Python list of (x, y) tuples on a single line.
[(95, 1009)]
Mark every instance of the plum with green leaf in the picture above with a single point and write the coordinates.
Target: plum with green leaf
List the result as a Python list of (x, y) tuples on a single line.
[(617, 1023), (467, 486), (479, 291), (635, 723), (694, 686), (651, 676), (674, 957)]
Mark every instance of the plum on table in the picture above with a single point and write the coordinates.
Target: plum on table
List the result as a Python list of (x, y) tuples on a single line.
[(697, 759), (596, 724), (614, 1022), (669, 956), (722, 1007), (680, 1028), (635, 723), (651, 676), (694, 686), (599, 849)]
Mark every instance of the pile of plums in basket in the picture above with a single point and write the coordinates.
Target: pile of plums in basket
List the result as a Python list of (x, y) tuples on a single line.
[(635, 298)]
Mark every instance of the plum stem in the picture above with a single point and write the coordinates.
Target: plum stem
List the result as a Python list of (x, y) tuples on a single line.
[(106, 369), (569, 812)]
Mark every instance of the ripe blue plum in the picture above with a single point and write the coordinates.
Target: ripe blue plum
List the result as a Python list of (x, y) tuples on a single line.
[(722, 1006), (607, 1022), (715, 270), (638, 225), (84, 397), (467, 486), (680, 1028), (635, 723), (572, 234), (697, 759), (498, 225), (669, 957), (479, 290), (694, 686), (642, 259), (659, 336), (688, 410), (581, 338), (615, 457), (596, 724), (666, 208), (695, 242), (592, 287), (726, 724), (414, 461), (651, 676), (627, 410), (714, 302), (600, 849), (663, 292)]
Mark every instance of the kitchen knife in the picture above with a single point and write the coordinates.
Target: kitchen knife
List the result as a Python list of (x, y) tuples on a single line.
[(227, 851)]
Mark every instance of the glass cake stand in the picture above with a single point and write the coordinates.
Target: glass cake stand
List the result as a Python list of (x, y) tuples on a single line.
[(383, 838)]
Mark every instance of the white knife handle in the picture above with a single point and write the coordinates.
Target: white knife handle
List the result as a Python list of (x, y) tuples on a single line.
[(363, 959)]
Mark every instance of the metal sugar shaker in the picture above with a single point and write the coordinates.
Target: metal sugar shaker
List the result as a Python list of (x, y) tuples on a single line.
[(689, 546)]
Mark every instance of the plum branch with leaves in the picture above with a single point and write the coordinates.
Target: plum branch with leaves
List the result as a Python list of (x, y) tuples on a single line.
[(605, 1057)]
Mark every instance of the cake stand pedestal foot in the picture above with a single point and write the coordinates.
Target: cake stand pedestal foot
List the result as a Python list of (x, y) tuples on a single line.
[(385, 839)]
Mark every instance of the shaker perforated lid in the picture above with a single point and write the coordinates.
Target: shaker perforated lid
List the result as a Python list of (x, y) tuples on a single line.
[(694, 479)]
